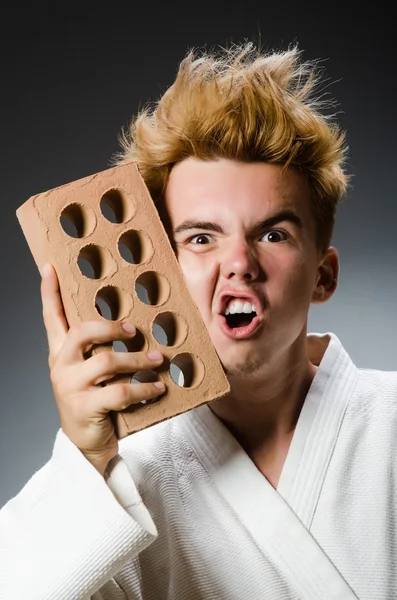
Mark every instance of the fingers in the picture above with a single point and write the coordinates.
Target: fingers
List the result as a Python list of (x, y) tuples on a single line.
[(83, 336), (53, 313), (105, 365), (68, 346), (121, 396), (76, 341)]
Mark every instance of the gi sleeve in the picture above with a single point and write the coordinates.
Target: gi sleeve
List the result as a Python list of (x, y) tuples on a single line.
[(69, 531)]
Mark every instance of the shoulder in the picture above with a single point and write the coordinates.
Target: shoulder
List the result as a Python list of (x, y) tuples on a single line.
[(377, 390), (377, 377)]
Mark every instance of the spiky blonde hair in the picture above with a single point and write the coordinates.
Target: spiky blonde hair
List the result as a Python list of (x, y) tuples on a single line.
[(241, 104)]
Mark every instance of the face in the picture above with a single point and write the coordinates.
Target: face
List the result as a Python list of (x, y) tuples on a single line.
[(245, 240)]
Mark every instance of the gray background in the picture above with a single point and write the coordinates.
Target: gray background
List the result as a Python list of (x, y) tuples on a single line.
[(71, 80)]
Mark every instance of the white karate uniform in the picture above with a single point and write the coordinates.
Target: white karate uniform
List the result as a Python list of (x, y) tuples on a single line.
[(186, 515)]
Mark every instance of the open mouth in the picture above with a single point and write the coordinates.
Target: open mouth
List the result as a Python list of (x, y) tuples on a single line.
[(239, 319)]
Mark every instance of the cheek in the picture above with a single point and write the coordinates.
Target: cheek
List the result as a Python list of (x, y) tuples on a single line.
[(293, 277), (199, 275)]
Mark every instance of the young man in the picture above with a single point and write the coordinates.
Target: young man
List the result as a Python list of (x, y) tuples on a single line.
[(283, 490)]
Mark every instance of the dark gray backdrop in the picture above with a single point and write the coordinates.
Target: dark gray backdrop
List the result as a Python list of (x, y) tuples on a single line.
[(71, 77)]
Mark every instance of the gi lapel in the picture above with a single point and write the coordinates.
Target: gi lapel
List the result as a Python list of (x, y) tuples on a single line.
[(317, 429), (277, 530)]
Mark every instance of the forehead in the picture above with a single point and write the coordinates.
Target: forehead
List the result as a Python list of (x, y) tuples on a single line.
[(220, 187)]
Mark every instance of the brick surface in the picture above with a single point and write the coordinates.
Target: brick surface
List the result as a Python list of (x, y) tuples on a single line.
[(104, 267)]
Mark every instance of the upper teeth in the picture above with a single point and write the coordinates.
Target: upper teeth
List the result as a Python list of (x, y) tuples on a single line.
[(236, 306)]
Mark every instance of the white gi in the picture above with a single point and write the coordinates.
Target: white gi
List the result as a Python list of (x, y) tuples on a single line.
[(198, 521)]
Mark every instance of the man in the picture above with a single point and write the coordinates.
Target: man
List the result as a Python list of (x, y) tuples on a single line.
[(285, 489)]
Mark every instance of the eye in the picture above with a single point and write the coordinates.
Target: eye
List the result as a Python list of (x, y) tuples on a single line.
[(202, 238), (274, 236)]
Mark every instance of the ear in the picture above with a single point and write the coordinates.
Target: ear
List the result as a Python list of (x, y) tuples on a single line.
[(326, 276)]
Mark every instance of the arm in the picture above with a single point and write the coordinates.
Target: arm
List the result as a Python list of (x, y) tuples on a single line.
[(80, 518)]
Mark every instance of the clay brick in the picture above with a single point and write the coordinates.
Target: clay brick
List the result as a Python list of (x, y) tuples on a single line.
[(95, 239)]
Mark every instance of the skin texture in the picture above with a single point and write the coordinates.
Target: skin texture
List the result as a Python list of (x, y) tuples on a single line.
[(269, 372)]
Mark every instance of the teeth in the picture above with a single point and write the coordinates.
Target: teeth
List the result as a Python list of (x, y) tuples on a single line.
[(236, 306), (248, 308)]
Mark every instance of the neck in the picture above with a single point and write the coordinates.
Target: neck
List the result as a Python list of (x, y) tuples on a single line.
[(262, 410)]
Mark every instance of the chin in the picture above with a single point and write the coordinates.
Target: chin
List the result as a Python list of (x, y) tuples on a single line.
[(243, 367), (243, 370)]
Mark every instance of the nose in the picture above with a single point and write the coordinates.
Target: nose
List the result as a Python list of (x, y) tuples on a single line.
[(239, 261)]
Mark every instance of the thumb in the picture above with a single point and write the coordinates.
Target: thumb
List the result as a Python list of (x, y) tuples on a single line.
[(53, 313)]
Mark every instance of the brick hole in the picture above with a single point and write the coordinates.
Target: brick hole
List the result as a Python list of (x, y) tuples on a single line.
[(169, 329), (146, 377), (86, 268), (119, 346), (94, 262), (115, 207), (159, 334), (186, 370), (135, 247), (135, 344), (77, 221), (152, 288), (112, 303), (103, 308)]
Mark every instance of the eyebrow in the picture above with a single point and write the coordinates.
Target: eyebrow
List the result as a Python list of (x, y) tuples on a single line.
[(283, 215)]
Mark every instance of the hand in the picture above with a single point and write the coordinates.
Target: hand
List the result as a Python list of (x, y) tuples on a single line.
[(83, 404)]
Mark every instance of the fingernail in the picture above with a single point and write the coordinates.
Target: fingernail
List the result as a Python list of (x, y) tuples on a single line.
[(154, 355), (159, 385), (46, 270), (128, 328)]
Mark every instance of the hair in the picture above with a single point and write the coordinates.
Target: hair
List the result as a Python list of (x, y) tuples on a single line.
[(244, 105)]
